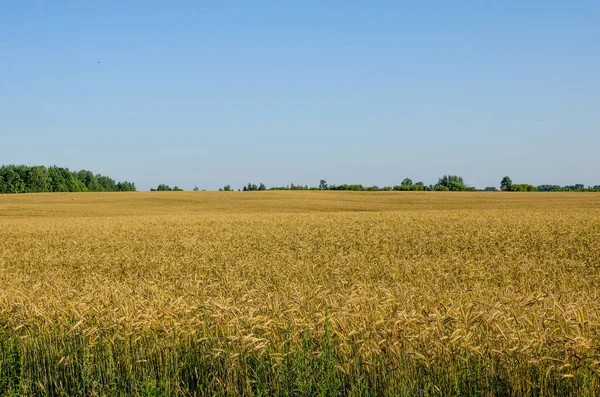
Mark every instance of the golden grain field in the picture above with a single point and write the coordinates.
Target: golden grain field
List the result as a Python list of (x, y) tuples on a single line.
[(300, 293)]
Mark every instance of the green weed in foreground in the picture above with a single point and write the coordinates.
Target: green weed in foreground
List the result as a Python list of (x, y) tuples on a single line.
[(71, 365)]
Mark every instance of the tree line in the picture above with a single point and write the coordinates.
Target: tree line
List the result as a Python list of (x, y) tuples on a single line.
[(37, 179), (166, 188), (507, 185), (453, 183), (445, 183), (26, 179)]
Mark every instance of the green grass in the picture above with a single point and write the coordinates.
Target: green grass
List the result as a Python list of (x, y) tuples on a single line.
[(151, 366)]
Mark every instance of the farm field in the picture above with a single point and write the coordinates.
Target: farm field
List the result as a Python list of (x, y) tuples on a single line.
[(300, 293)]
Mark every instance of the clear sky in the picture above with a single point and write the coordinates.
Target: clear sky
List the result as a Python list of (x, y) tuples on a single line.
[(210, 93)]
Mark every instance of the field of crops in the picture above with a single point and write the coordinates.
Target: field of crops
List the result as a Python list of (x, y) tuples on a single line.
[(300, 293)]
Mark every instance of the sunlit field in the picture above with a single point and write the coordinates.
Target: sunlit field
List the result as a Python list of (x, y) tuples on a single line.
[(300, 293)]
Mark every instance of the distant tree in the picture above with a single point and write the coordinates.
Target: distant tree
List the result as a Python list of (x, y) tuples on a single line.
[(549, 188), (407, 184), (523, 187), (457, 187), (177, 189), (323, 184), (22, 171), (108, 184), (37, 179), (12, 182), (57, 180), (164, 188), (506, 184), (26, 179), (262, 186), (452, 182), (578, 187), (227, 188), (347, 187), (126, 186), (196, 189), (490, 189), (89, 180)]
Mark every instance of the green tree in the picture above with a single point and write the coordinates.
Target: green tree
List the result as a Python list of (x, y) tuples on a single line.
[(523, 187), (506, 184), (25, 179), (89, 180), (455, 186), (70, 181), (12, 182), (108, 184), (37, 180), (452, 183), (57, 180), (323, 184), (126, 186)]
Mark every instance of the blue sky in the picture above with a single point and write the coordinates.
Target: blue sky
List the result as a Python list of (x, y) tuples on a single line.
[(210, 93)]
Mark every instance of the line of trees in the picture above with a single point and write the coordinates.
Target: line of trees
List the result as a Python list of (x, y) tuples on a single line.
[(453, 183), (445, 183), (252, 187), (507, 185), (569, 188), (26, 179), (166, 188)]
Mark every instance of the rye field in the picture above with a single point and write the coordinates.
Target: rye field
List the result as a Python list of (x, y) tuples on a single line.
[(300, 293)]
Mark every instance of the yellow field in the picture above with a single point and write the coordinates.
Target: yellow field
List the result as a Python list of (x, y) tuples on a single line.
[(350, 293)]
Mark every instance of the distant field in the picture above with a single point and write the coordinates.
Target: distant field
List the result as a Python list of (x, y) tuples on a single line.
[(300, 293)]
